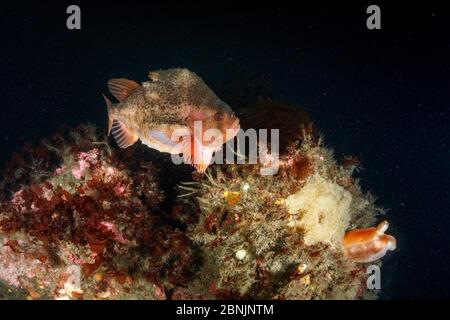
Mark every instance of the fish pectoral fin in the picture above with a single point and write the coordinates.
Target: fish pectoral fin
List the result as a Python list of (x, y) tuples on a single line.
[(161, 137), (205, 160), (159, 140), (109, 107), (196, 154), (186, 147), (122, 88), (124, 137)]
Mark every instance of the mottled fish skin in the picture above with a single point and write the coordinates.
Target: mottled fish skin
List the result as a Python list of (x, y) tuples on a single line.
[(153, 104), (164, 104)]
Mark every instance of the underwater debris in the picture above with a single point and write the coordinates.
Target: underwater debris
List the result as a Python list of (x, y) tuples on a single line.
[(91, 211)]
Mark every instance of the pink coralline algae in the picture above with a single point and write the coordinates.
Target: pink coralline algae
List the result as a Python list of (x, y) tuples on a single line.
[(85, 161), (72, 203)]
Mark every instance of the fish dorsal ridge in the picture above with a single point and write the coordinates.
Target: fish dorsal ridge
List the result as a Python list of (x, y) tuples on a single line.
[(122, 88)]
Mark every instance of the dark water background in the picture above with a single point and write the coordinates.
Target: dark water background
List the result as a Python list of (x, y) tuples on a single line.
[(382, 95)]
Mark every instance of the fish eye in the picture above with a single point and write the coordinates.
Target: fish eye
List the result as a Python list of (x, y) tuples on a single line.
[(218, 116)]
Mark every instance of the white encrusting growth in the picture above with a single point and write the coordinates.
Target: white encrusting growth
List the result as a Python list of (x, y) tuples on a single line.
[(322, 210), (241, 254)]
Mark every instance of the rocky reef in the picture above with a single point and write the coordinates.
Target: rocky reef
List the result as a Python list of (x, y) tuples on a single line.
[(80, 219), (279, 237)]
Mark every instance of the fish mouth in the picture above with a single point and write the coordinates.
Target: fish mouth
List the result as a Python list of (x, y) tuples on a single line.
[(235, 125)]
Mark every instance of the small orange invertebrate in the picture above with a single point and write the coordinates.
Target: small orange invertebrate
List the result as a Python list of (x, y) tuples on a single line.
[(367, 245), (232, 197)]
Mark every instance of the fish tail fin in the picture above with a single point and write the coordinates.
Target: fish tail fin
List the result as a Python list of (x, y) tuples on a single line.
[(109, 107)]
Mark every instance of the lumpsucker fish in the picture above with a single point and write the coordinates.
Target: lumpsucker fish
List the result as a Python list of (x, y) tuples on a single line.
[(175, 112)]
